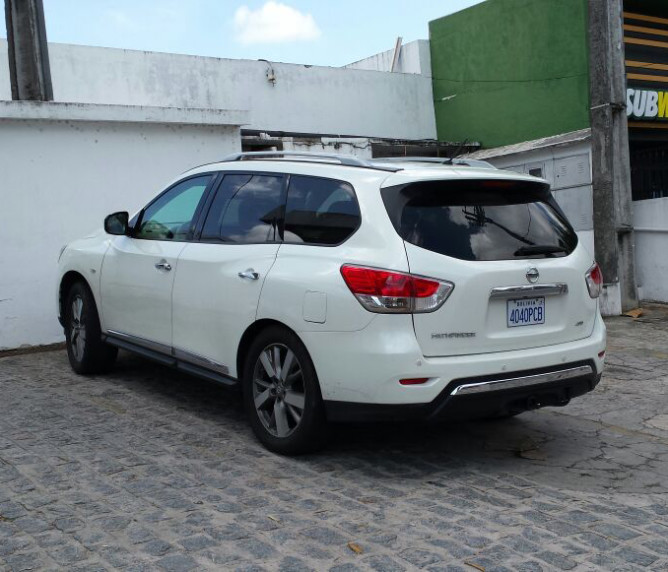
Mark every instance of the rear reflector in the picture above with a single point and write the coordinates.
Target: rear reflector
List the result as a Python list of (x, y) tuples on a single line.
[(601, 355), (414, 381), (385, 291)]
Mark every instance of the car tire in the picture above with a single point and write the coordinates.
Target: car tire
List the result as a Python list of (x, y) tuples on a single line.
[(86, 351), (282, 395)]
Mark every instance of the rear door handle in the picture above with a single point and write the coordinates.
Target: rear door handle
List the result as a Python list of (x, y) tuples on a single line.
[(163, 265), (249, 274)]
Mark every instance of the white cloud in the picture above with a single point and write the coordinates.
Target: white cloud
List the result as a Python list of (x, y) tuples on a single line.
[(274, 23)]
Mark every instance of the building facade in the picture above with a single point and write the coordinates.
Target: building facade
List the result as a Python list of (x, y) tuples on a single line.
[(513, 74)]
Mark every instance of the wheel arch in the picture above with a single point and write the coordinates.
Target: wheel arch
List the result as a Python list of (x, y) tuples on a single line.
[(70, 277), (249, 335)]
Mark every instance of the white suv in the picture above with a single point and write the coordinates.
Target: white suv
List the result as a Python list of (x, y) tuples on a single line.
[(330, 288)]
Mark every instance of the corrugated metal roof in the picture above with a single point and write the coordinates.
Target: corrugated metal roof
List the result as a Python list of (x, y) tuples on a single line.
[(554, 141)]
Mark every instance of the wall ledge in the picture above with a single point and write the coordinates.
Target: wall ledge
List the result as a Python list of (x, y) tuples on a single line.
[(65, 111)]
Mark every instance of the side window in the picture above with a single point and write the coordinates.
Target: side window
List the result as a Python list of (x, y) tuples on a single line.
[(320, 211), (246, 209), (170, 217)]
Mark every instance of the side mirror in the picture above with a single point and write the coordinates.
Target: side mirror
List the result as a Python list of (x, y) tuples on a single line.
[(117, 223)]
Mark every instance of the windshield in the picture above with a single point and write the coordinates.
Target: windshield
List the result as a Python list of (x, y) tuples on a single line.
[(481, 219)]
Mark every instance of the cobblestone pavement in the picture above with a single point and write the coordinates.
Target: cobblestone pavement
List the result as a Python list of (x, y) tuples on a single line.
[(145, 469)]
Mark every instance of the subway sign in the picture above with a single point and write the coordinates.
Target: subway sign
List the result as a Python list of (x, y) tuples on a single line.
[(647, 104)]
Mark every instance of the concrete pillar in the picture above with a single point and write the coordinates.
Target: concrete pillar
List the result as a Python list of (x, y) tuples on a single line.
[(611, 172), (29, 70)]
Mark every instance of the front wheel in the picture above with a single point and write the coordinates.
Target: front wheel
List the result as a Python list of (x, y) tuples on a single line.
[(282, 394), (85, 349)]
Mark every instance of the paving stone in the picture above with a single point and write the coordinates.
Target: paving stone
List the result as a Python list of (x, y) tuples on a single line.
[(177, 563), (292, 564), (615, 531), (156, 547), (255, 547), (345, 568), (324, 535), (383, 563), (195, 543), (420, 558), (634, 556), (557, 560)]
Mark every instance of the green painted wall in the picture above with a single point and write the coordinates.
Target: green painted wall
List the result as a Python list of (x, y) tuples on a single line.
[(506, 71)]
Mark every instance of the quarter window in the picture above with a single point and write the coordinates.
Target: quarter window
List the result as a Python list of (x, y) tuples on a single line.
[(246, 210), (170, 216), (320, 211)]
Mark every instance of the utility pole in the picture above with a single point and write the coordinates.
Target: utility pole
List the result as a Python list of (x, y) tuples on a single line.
[(29, 70), (611, 171)]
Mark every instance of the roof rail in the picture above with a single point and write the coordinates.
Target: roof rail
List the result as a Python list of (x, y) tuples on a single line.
[(345, 160), (438, 161)]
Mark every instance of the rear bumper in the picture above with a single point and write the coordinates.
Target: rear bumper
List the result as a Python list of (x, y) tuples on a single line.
[(485, 396), (366, 367)]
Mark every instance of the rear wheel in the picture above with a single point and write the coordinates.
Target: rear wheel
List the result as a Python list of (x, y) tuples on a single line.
[(85, 349), (282, 394)]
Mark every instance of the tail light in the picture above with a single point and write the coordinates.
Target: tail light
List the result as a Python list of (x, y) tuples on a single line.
[(594, 279), (387, 292)]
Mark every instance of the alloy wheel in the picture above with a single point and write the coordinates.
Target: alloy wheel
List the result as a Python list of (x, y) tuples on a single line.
[(77, 328), (278, 390)]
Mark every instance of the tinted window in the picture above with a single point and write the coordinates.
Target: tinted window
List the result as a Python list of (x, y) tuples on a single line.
[(246, 209), (320, 211), (170, 216), (481, 220)]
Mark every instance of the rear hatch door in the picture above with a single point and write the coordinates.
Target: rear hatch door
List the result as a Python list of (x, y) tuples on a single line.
[(515, 261)]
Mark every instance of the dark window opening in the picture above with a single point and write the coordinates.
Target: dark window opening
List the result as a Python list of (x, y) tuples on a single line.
[(320, 211), (246, 209), (649, 170), (481, 220)]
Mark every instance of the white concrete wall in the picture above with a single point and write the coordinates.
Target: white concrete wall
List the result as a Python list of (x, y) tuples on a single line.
[(650, 219), (58, 180), (414, 57), (5, 86), (304, 99)]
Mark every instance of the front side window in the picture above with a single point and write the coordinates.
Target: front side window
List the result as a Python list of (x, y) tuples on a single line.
[(246, 210), (481, 220), (320, 211), (170, 217)]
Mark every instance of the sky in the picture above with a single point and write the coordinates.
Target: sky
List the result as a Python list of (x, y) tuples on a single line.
[(316, 32)]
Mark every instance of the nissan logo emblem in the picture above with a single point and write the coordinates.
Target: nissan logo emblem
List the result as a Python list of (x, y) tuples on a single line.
[(532, 275)]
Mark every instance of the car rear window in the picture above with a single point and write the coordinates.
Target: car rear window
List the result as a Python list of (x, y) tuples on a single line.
[(481, 219)]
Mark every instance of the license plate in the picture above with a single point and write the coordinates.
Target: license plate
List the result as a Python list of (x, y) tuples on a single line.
[(525, 312)]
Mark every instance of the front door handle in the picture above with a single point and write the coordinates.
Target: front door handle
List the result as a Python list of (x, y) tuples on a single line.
[(249, 274), (163, 265)]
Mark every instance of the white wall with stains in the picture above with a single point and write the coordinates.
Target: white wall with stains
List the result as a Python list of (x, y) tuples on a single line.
[(58, 180), (302, 99), (414, 57), (650, 221)]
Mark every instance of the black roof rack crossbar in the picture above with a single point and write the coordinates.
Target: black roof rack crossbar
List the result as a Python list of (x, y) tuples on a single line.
[(345, 160)]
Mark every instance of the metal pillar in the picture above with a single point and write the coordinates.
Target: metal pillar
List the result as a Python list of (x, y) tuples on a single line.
[(29, 70), (611, 172)]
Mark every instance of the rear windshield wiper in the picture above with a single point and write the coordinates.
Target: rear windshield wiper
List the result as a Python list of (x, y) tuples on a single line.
[(539, 249)]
